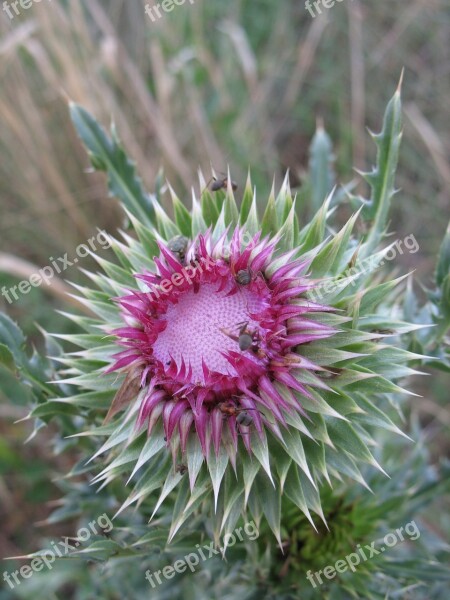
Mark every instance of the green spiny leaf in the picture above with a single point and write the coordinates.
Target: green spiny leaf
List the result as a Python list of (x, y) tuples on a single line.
[(381, 179), (107, 155)]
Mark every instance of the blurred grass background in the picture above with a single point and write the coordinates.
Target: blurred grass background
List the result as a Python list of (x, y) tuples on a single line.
[(215, 83)]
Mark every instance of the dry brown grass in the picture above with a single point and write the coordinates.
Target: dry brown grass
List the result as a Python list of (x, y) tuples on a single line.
[(210, 84)]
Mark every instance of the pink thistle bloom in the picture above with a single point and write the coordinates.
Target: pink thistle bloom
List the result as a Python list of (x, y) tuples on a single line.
[(216, 339), (226, 358)]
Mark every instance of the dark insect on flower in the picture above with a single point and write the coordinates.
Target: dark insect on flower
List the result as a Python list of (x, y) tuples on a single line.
[(246, 339), (243, 277), (243, 416), (229, 408), (181, 469), (178, 245), (221, 184)]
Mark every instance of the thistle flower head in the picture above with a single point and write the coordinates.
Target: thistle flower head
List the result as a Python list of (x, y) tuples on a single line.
[(214, 338), (255, 357)]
